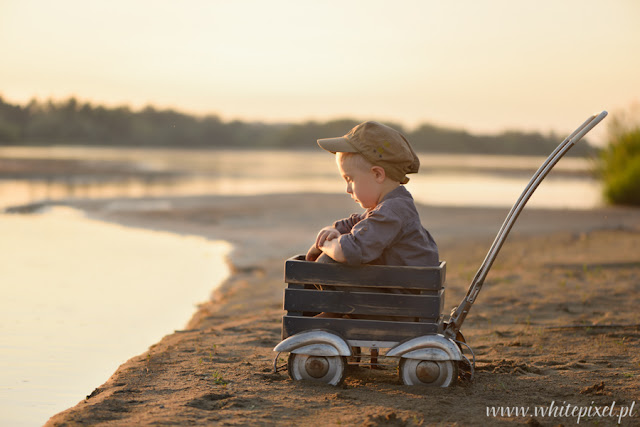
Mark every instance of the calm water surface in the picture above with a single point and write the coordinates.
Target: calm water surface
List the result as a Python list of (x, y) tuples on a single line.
[(454, 180), (79, 297)]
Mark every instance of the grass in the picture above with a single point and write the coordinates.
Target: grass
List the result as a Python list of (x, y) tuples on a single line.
[(217, 378), (619, 163)]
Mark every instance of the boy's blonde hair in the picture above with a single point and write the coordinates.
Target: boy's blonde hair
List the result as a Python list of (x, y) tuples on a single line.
[(356, 159)]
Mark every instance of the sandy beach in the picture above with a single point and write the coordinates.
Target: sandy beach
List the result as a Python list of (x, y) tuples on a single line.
[(556, 323)]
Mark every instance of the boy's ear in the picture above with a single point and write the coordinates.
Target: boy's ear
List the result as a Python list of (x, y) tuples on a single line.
[(379, 173)]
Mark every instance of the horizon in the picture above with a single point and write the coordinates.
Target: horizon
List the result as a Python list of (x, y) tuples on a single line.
[(484, 68), (199, 116)]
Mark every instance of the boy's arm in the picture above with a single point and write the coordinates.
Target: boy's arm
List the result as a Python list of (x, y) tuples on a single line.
[(371, 236), (332, 234), (344, 226)]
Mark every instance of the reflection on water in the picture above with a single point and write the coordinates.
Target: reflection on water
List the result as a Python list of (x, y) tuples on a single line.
[(460, 180), (79, 297), (474, 189)]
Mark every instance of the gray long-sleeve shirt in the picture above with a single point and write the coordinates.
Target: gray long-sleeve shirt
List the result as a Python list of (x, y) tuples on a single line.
[(389, 234)]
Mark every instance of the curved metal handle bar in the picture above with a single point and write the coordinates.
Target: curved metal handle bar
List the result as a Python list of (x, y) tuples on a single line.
[(541, 170), (533, 184), (462, 310)]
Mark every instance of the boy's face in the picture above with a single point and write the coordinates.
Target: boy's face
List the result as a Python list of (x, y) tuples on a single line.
[(362, 182)]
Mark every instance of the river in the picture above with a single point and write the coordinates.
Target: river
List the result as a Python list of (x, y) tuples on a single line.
[(443, 180)]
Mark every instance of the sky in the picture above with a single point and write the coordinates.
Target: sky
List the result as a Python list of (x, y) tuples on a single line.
[(484, 66)]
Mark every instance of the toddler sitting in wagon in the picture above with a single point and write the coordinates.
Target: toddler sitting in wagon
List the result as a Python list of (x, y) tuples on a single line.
[(374, 159)]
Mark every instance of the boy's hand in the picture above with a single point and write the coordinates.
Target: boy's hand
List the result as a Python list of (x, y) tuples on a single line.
[(332, 248), (326, 234), (313, 253)]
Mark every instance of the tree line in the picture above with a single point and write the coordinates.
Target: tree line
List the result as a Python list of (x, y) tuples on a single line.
[(71, 122)]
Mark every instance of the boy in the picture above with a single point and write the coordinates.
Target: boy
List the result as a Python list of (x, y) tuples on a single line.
[(374, 160)]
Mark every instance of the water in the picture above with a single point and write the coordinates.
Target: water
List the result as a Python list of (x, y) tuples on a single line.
[(478, 189), (79, 297), (453, 180)]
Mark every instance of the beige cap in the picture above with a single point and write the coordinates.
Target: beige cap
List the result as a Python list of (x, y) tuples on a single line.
[(381, 146)]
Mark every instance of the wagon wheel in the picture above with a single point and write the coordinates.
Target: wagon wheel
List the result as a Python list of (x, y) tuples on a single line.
[(434, 373), (327, 369)]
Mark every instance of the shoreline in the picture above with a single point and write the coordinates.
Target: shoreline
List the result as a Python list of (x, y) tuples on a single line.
[(217, 369)]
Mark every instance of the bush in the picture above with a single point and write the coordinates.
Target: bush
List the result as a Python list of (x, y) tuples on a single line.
[(620, 165)]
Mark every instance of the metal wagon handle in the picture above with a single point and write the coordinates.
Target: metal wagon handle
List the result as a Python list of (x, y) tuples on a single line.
[(460, 312)]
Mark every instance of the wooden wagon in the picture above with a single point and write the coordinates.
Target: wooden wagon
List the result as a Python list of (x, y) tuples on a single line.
[(375, 307)]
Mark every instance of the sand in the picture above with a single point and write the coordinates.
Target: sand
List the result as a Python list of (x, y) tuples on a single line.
[(556, 323)]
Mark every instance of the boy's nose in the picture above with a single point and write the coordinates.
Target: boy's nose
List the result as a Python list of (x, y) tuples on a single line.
[(349, 190)]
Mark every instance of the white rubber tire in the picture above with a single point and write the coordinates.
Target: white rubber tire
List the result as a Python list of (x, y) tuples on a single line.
[(326, 369), (431, 373)]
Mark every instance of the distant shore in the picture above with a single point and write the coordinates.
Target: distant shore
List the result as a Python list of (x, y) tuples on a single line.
[(73, 122), (558, 270)]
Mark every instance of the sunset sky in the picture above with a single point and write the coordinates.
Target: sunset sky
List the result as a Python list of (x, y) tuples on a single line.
[(485, 66)]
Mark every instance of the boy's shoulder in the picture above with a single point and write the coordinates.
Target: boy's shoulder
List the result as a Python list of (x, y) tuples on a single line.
[(398, 201), (398, 197)]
